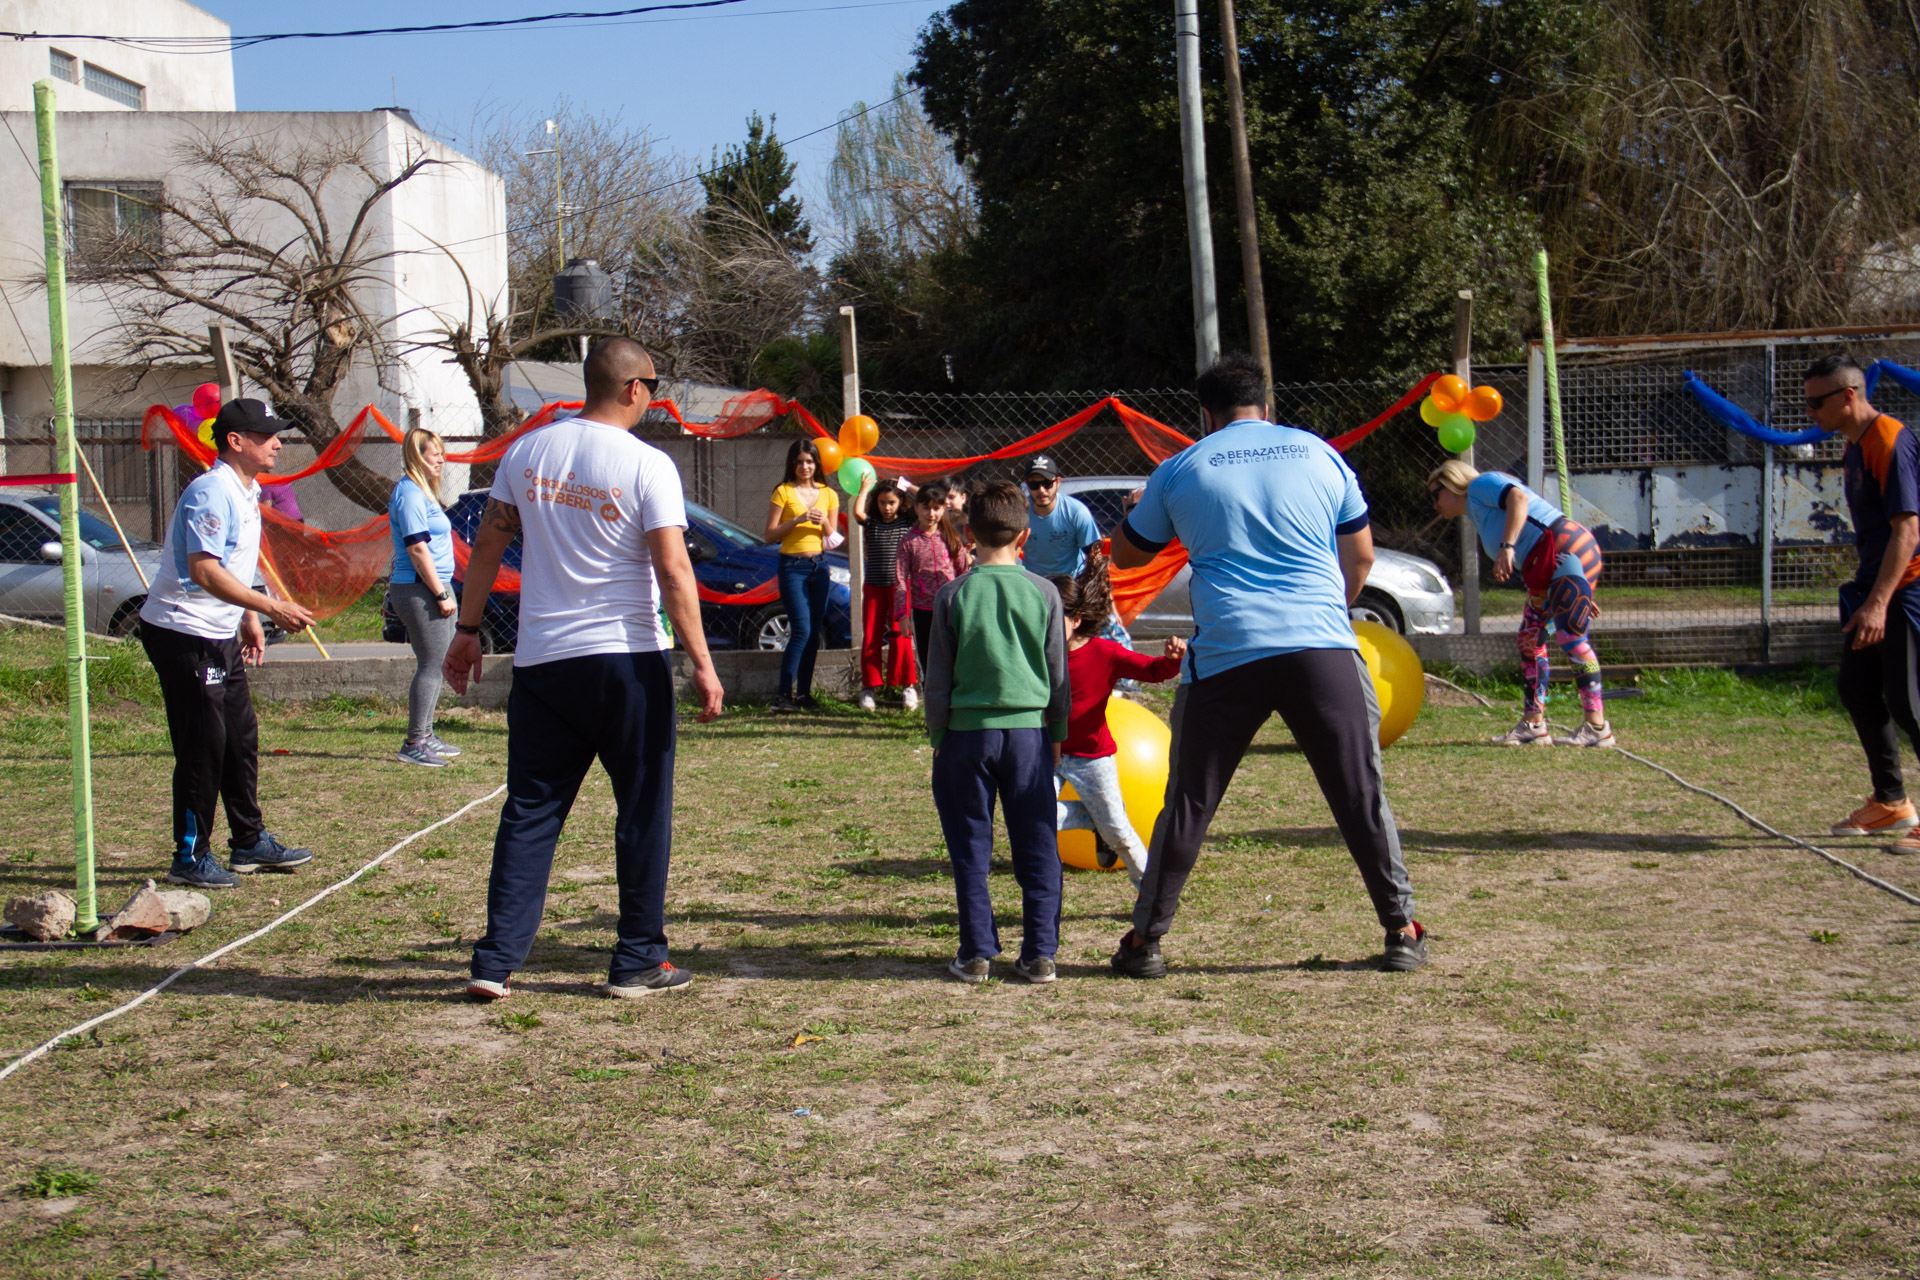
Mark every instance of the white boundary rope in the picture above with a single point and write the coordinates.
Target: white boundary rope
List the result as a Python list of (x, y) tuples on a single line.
[(235, 945), (1842, 863)]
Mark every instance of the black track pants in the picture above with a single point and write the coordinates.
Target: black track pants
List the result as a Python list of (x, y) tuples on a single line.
[(1880, 688), (1326, 699), (216, 740)]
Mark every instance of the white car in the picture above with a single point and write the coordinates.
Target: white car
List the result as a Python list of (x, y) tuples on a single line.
[(1406, 593)]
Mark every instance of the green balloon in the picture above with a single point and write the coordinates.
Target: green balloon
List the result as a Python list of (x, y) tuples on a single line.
[(1430, 412), (851, 473), (1456, 433)]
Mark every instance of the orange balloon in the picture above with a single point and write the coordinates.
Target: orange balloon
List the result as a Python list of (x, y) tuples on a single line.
[(1449, 393), (830, 455), (858, 434), (1483, 404)]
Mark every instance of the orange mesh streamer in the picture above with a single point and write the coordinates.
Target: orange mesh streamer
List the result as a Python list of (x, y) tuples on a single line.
[(920, 469), (326, 572), (1156, 439), (1135, 589), (506, 581)]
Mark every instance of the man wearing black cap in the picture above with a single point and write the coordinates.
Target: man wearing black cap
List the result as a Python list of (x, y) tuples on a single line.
[(200, 628), (1062, 529)]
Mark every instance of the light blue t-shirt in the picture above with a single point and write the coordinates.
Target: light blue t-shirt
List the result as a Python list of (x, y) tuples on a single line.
[(1059, 541), (1259, 508), (1484, 496), (412, 516), (217, 516)]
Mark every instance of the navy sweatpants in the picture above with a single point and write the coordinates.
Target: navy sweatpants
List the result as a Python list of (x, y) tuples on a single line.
[(560, 716), (973, 767)]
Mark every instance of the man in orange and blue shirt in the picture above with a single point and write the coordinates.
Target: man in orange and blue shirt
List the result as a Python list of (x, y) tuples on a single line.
[(1880, 607)]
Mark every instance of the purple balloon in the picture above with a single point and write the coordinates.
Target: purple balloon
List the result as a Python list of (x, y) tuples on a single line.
[(189, 415)]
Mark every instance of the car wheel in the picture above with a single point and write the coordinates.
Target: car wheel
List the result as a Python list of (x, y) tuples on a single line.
[(1377, 606), (126, 620), (768, 630)]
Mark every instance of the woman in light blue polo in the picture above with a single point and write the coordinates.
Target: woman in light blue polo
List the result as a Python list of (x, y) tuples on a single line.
[(420, 587)]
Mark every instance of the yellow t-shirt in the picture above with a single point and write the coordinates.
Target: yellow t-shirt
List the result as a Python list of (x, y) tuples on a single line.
[(804, 539)]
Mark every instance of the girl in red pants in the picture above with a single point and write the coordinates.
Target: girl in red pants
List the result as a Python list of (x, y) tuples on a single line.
[(882, 515)]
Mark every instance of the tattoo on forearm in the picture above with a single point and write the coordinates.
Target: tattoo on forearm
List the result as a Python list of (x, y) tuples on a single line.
[(498, 515)]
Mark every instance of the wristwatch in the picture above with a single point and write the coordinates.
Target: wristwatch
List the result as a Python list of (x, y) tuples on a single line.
[(444, 595)]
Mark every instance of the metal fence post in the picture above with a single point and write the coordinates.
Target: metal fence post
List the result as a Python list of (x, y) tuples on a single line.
[(1766, 519), (1469, 540)]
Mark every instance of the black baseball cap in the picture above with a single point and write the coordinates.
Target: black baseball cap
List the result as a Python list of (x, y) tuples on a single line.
[(1044, 467), (253, 416)]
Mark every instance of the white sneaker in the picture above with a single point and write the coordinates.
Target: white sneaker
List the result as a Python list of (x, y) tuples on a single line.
[(1526, 734), (866, 700), (486, 991), (1587, 735), (910, 699)]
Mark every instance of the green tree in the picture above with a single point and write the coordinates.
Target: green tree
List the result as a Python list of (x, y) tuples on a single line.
[(753, 181)]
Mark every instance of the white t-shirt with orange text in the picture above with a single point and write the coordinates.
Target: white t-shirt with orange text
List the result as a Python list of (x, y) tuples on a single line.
[(588, 493)]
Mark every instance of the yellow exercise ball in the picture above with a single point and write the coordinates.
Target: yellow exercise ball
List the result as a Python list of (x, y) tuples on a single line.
[(1399, 682), (1144, 741)]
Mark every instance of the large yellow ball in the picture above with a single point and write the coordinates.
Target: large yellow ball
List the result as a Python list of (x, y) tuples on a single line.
[(1144, 741), (1399, 682)]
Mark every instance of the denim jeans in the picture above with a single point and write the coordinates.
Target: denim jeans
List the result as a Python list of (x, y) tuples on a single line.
[(804, 582), (1100, 808)]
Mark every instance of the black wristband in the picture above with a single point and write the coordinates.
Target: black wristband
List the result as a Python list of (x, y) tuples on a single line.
[(466, 630), (1509, 546)]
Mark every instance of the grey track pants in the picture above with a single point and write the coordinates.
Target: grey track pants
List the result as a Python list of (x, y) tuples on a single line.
[(429, 634)]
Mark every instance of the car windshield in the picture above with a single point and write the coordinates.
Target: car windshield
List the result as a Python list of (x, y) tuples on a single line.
[(94, 531), (1107, 506), (726, 528)]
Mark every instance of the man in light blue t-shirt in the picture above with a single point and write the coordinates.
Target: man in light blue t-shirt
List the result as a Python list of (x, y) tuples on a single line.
[(1276, 530), (1061, 530)]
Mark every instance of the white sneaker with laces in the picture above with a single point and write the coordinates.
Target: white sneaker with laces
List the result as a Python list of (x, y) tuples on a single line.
[(1526, 734), (1587, 735), (910, 699), (866, 700)]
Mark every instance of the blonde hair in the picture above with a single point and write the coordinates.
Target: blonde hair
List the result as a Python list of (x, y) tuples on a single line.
[(1452, 475), (413, 448)]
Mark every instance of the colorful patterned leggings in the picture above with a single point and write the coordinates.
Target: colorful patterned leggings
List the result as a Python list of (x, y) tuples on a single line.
[(1568, 604)]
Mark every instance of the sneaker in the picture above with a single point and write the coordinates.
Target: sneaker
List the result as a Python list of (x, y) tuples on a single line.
[(201, 873), (910, 699), (1404, 954), (866, 700), (446, 750), (807, 702), (1037, 970), (486, 990), (978, 969), (1132, 961), (647, 982), (421, 754), (267, 854), (1103, 853), (1587, 735), (1909, 843), (1877, 819), (1526, 734), (783, 704)]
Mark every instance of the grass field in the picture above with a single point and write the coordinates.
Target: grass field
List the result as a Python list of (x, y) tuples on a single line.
[(1650, 1042)]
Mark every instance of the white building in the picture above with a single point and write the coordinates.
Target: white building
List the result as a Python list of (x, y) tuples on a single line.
[(115, 157)]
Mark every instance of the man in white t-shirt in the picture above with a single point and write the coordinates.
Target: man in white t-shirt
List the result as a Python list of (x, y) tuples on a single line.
[(200, 627), (603, 522)]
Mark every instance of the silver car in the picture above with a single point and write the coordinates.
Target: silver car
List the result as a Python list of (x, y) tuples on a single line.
[(31, 583), (1406, 593)]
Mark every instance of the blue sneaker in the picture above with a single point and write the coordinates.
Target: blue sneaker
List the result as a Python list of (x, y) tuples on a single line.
[(266, 854), (446, 750), (201, 873), (421, 754)]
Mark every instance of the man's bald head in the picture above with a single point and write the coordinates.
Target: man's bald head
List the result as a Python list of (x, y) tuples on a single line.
[(612, 364)]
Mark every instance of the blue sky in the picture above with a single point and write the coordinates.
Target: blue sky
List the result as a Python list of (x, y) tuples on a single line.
[(690, 79)]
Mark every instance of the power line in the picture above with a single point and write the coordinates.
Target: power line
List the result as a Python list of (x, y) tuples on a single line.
[(230, 42)]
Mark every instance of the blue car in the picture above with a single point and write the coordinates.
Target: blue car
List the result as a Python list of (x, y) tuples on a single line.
[(728, 561)]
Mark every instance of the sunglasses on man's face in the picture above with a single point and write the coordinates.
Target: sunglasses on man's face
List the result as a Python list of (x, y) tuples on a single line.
[(1814, 402), (1037, 485), (651, 384)]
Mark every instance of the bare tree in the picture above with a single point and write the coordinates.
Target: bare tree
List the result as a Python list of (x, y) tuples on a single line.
[(277, 239), (894, 175)]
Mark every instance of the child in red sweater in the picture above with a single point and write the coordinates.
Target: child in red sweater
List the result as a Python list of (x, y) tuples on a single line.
[(1094, 665)]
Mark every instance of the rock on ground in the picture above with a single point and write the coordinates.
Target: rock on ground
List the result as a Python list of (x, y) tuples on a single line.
[(44, 916), (187, 909), (144, 915)]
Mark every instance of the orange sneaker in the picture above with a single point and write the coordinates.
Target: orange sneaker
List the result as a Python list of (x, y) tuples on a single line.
[(1876, 819), (1908, 843)]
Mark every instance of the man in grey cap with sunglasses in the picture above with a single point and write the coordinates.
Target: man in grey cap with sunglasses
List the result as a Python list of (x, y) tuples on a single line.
[(200, 625), (1062, 528)]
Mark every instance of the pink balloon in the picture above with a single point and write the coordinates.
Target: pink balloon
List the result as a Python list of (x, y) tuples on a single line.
[(206, 399)]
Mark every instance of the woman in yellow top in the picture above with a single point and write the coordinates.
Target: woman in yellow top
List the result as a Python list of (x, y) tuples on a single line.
[(801, 515)]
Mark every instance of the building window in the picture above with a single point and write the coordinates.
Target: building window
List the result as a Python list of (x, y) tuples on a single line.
[(64, 66), (113, 224), (119, 88)]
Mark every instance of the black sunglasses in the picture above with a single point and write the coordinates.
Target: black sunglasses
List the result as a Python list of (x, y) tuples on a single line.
[(651, 384), (1814, 402), (1042, 484)]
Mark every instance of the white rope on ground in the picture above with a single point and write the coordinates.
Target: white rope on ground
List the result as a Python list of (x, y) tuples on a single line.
[(1842, 863), (235, 945), (1484, 700)]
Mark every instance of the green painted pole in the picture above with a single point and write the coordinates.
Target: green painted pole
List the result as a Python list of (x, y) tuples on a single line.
[(1553, 384), (79, 742)]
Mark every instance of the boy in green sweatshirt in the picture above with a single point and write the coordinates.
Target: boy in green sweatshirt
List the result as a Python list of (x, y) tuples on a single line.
[(997, 701)]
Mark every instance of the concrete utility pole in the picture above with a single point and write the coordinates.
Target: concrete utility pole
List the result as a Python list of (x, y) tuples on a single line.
[(1243, 196), (1469, 541), (224, 374), (856, 544), (1193, 167)]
